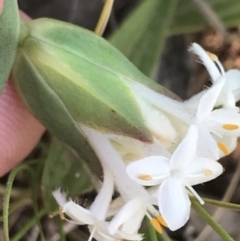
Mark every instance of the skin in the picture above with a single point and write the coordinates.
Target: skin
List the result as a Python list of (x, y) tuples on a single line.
[(19, 130)]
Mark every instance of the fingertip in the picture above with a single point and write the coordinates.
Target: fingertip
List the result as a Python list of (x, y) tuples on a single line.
[(1, 5), (19, 130)]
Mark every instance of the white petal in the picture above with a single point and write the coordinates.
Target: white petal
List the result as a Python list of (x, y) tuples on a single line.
[(109, 157), (207, 61), (60, 197), (233, 81), (100, 232), (174, 203), (207, 146), (186, 150), (78, 213), (230, 142), (203, 170), (149, 171), (161, 102), (159, 124), (208, 100), (219, 117), (225, 116), (128, 211), (102, 202), (156, 149), (226, 98), (132, 225), (193, 102)]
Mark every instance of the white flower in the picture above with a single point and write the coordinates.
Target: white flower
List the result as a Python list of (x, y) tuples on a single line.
[(94, 216), (213, 110), (221, 123), (184, 169), (135, 197), (219, 127), (230, 93), (133, 213), (224, 121)]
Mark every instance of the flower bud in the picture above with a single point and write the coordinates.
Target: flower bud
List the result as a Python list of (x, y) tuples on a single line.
[(68, 76)]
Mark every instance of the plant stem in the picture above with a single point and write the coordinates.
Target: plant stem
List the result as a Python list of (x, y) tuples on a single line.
[(152, 232), (206, 217), (103, 20), (222, 204), (7, 197), (31, 223)]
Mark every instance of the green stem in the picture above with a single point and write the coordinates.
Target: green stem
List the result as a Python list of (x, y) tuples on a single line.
[(104, 17), (35, 186), (7, 197), (154, 236), (222, 204), (152, 232), (29, 225), (17, 205), (62, 233), (206, 217)]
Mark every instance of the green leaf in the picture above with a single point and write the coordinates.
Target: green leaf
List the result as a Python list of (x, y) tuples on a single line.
[(91, 76), (51, 111), (67, 75), (63, 170), (9, 32), (6, 202), (189, 19), (142, 35), (90, 48)]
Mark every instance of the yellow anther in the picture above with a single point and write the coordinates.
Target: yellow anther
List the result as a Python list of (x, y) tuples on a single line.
[(223, 147), (156, 225), (61, 213), (161, 220), (145, 177), (230, 127), (208, 172), (212, 56)]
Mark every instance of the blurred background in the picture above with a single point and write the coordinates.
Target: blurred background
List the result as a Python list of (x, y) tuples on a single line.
[(167, 34)]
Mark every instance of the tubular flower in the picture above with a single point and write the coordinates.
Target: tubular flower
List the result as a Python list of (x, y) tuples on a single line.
[(183, 170), (225, 119), (219, 127), (230, 93), (94, 216), (213, 128), (137, 201), (213, 110), (132, 215), (221, 123)]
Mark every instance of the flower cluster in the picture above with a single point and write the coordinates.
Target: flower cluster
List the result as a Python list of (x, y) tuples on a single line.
[(189, 138)]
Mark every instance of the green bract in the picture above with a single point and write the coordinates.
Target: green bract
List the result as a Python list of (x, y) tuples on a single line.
[(9, 29), (68, 75)]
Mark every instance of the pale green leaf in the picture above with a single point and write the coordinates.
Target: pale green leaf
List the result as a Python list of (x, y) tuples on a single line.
[(86, 74), (50, 110), (90, 48), (9, 32)]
